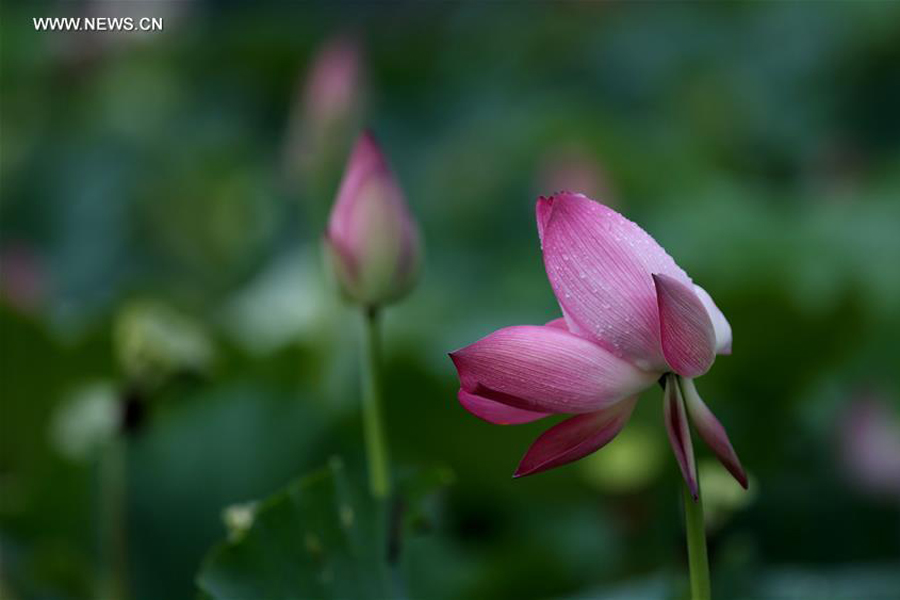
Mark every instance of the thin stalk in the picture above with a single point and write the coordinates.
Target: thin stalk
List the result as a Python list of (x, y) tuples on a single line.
[(376, 445), (696, 543), (112, 513)]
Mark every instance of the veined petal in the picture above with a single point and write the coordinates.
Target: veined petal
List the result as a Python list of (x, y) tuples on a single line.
[(542, 211), (686, 331), (599, 264), (496, 412), (720, 324), (546, 369), (679, 433), (711, 431), (575, 438), (559, 323)]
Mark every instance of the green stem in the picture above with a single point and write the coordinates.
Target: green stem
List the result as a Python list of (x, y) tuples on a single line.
[(114, 536), (696, 543), (376, 445)]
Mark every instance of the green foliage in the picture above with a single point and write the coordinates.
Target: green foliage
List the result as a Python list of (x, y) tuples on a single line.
[(311, 540)]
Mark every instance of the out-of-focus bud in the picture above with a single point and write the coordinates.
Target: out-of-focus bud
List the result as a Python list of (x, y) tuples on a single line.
[(333, 85), (329, 101), (869, 446), (371, 238), (22, 277)]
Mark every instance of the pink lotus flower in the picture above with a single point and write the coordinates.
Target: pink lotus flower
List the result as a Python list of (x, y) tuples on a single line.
[(631, 317), (372, 238)]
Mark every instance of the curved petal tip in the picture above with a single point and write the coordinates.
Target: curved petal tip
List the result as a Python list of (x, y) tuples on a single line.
[(712, 432), (542, 208)]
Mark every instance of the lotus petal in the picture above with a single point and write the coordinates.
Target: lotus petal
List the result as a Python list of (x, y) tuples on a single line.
[(559, 323), (600, 265), (547, 370), (680, 434), (720, 324), (711, 431), (496, 412), (686, 331), (575, 438)]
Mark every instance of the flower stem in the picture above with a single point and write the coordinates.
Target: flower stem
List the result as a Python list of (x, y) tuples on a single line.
[(114, 535), (376, 445), (696, 544)]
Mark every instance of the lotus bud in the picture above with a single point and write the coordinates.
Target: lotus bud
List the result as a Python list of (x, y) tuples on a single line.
[(333, 86), (329, 102), (23, 278), (371, 238), (869, 445)]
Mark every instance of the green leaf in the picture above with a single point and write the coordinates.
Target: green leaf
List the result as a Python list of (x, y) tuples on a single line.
[(416, 490), (311, 540)]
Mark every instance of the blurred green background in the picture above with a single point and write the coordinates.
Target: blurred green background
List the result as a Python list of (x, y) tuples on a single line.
[(163, 197)]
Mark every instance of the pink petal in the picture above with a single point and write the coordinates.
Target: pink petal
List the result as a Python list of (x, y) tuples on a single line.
[(600, 264), (686, 331), (366, 163), (495, 412), (679, 433), (374, 240), (711, 431), (542, 210), (548, 370), (333, 85), (575, 438), (720, 323), (559, 323)]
